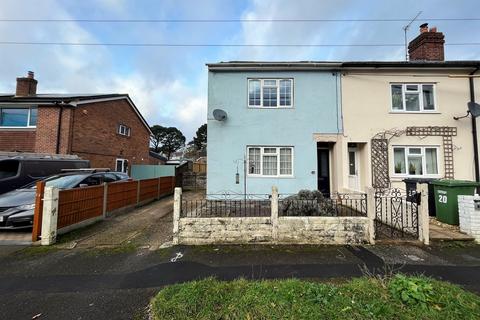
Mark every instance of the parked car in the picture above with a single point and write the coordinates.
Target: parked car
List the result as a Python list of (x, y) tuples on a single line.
[(17, 206), (17, 172)]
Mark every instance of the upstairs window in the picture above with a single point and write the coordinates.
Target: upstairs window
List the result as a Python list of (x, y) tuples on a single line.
[(18, 117), (413, 97), (270, 161), (270, 93), (124, 130)]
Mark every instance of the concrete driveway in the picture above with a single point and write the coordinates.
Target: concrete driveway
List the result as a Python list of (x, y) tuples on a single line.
[(149, 226)]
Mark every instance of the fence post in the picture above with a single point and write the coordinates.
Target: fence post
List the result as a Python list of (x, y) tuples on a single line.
[(49, 216), (177, 206), (423, 217), (158, 188), (105, 195), (274, 213), (37, 213), (138, 192), (371, 214)]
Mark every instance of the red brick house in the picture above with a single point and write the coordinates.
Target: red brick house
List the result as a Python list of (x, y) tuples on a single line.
[(106, 129)]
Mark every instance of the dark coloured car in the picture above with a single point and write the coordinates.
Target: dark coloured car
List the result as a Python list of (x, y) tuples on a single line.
[(17, 206), (18, 171)]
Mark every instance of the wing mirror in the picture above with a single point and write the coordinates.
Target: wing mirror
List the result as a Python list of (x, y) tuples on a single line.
[(83, 185)]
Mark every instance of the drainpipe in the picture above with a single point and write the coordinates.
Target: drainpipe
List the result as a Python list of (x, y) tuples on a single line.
[(474, 127), (57, 150)]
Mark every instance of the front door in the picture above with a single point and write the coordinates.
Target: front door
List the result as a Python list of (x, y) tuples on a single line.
[(323, 170), (353, 178)]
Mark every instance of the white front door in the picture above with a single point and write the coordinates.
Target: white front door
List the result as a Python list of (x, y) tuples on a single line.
[(353, 177)]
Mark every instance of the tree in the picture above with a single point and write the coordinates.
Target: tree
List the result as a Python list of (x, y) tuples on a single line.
[(156, 137), (167, 139), (200, 140)]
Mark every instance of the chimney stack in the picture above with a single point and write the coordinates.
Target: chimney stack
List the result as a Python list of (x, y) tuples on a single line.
[(428, 45), (26, 86)]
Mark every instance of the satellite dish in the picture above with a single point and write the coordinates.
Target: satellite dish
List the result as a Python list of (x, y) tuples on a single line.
[(219, 115), (473, 108)]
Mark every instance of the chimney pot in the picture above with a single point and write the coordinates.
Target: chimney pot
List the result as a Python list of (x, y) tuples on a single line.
[(424, 28), (26, 86)]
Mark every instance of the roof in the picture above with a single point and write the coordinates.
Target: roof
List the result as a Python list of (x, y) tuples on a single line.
[(157, 156), (53, 97), (340, 65), (70, 100)]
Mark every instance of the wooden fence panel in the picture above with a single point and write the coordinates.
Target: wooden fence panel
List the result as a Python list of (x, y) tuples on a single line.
[(121, 194), (77, 205), (167, 184), (148, 189)]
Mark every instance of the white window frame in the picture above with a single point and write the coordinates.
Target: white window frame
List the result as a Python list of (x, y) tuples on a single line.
[(278, 106), (126, 130), (28, 118), (420, 93), (123, 161), (277, 153), (424, 161)]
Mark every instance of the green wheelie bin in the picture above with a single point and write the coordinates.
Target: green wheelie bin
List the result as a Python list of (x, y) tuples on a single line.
[(446, 198)]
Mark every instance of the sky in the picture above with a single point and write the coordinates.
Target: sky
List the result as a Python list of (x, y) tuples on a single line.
[(169, 84)]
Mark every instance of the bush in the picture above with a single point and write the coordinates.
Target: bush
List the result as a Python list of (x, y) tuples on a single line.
[(308, 203)]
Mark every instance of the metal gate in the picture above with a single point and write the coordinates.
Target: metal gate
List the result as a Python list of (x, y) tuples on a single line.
[(396, 214)]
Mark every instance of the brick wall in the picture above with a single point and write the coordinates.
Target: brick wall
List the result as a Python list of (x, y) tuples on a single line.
[(47, 129), (469, 217), (95, 137), (17, 140)]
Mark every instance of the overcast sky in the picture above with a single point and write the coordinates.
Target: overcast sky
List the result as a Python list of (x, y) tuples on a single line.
[(169, 85)]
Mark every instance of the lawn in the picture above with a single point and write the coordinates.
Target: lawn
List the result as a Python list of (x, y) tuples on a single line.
[(398, 297)]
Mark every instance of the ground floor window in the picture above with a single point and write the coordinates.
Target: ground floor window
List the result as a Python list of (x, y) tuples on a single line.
[(415, 161), (121, 165), (270, 161)]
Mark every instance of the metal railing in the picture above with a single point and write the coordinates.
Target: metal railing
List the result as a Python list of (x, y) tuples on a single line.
[(326, 205), (227, 205)]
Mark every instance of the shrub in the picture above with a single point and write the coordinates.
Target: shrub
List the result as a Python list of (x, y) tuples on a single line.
[(308, 203)]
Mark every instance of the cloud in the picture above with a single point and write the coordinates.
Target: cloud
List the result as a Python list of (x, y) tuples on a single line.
[(169, 85), (347, 32)]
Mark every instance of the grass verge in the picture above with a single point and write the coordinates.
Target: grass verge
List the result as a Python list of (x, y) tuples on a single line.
[(399, 297)]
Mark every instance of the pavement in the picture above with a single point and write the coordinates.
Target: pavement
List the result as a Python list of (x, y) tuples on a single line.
[(112, 269), (114, 284)]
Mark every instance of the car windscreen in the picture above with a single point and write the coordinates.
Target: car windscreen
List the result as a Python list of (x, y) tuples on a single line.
[(61, 182), (9, 168)]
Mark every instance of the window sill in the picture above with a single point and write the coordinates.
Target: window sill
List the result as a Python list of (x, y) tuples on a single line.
[(271, 177), (249, 107), (18, 128), (401, 177), (415, 112)]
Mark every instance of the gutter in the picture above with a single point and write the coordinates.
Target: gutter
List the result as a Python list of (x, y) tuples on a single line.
[(474, 126)]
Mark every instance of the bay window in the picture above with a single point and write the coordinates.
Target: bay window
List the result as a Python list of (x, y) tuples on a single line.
[(413, 97), (270, 93), (415, 161), (270, 161)]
